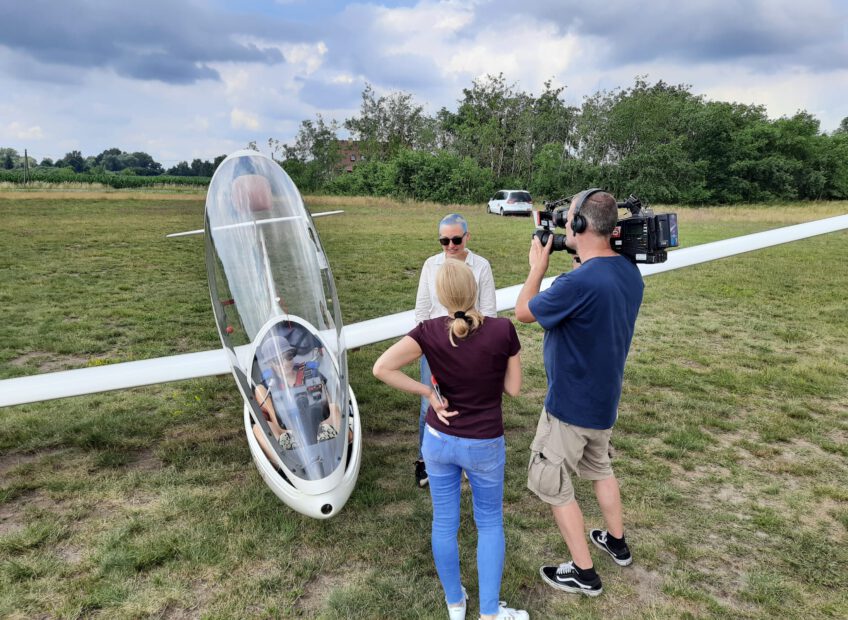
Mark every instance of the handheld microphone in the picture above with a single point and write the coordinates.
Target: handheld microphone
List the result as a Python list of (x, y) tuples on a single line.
[(437, 390)]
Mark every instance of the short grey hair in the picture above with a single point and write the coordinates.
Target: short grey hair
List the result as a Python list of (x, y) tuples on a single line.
[(454, 218)]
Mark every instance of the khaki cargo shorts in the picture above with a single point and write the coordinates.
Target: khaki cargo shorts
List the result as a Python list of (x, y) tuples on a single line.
[(560, 450)]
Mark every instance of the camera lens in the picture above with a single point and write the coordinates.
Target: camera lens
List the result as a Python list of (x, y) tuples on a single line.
[(558, 244)]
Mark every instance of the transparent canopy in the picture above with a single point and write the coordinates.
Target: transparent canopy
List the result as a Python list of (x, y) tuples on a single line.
[(273, 296)]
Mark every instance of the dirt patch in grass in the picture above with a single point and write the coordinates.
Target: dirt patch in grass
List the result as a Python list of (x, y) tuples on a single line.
[(9, 462), (200, 594), (23, 360), (315, 592), (647, 584), (145, 461), (10, 523), (397, 509), (51, 362), (14, 514), (70, 554), (729, 494), (821, 515)]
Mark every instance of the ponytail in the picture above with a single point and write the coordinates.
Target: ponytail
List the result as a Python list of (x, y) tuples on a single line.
[(464, 324), (457, 291)]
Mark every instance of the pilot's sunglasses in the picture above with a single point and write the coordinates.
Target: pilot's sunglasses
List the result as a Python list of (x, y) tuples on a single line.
[(447, 240)]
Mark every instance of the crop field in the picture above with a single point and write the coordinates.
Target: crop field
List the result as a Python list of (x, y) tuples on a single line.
[(731, 443)]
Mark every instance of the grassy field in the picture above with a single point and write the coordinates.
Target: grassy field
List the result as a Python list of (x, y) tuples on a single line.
[(731, 442)]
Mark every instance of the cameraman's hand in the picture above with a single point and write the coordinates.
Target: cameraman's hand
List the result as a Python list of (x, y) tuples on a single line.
[(540, 255)]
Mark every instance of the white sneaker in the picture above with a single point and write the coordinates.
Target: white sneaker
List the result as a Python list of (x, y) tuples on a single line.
[(508, 613), (458, 613)]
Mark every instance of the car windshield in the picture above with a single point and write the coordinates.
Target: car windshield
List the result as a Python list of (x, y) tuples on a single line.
[(520, 197)]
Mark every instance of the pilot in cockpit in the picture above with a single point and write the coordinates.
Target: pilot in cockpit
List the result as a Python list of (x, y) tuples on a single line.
[(293, 397)]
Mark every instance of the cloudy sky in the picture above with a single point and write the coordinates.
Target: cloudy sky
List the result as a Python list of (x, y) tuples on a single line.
[(181, 79)]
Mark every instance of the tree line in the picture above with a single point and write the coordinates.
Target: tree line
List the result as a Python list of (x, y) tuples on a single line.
[(657, 140), (112, 160)]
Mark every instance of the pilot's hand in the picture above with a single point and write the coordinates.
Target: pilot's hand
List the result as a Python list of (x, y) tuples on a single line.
[(540, 255), (440, 407)]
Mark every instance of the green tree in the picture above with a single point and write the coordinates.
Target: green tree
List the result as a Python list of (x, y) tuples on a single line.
[(313, 159), (110, 159), (73, 160), (182, 169), (390, 123)]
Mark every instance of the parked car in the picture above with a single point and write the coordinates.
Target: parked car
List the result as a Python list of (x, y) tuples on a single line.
[(511, 202)]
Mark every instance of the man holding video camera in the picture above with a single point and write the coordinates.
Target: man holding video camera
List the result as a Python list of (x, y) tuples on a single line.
[(589, 315)]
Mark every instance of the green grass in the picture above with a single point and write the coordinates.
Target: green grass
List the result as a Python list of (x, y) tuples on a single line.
[(730, 447)]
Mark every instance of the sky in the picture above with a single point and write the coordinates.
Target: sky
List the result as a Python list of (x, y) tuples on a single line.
[(185, 79)]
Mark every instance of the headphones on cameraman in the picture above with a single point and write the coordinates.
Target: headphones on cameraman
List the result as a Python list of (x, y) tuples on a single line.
[(579, 223)]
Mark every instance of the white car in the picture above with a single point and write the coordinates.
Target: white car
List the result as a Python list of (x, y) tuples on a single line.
[(511, 202)]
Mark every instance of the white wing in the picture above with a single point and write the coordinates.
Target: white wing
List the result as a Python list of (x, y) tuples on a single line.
[(48, 386), (207, 363)]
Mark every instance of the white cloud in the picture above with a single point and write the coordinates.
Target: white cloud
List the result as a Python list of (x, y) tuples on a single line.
[(240, 119), (426, 19), (17, 131), (308, 57), (343, 78), (199, 124), (236, 79)]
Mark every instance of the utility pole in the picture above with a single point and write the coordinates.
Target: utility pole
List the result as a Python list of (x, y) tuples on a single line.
[(26, 167)]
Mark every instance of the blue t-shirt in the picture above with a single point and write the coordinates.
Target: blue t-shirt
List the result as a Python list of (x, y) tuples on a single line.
[(589, 315)]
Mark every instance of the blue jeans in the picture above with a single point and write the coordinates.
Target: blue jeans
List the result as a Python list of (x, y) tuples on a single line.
[(425, 404), (483, 460)]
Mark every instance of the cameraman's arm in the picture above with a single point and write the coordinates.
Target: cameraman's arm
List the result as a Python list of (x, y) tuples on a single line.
[(538, 257)]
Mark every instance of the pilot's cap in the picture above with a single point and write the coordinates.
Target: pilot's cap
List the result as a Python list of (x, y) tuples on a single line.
[(274, 348)]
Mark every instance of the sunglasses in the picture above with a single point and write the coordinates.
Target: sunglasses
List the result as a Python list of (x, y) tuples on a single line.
[(447, 240)]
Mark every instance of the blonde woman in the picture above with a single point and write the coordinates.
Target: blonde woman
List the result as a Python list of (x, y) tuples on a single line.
[(474, 360)]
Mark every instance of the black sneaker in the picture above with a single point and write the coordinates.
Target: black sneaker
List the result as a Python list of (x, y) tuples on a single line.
[(421, 474), (565, 577), (620, 556)]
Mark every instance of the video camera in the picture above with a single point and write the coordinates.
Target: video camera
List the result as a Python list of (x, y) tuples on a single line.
[(642, 236)]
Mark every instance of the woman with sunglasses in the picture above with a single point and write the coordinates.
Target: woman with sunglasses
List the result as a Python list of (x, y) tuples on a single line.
[(453, 237), (475, 360)]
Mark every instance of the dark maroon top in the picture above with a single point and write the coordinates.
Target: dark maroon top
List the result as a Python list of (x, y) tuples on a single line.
[(470, 375)]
